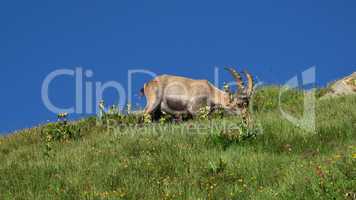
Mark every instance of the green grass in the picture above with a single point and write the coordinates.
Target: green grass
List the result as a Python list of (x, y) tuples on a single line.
[(178, 161)]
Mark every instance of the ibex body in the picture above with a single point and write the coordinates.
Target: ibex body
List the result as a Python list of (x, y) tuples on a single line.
[(180, 95)]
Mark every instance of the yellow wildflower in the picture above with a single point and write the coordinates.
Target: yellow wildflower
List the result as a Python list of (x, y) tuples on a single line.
[(354, 155)]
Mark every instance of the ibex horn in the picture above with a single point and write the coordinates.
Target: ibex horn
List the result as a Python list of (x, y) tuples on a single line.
[(250, 83), (238, 79)]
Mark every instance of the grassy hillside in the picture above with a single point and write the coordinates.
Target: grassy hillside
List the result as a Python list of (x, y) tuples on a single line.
[(189, 160)]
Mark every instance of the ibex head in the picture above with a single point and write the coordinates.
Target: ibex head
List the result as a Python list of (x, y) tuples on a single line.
[(241, 98)]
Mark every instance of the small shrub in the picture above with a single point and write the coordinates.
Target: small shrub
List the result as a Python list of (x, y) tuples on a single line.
[(165, 117), (236, 135), (114, 110), (114, 117), (61, 131), (204, 112), (147, 119), (133, 119), (218, 112)]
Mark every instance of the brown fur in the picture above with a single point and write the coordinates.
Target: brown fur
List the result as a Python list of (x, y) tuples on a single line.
[(180, 95)]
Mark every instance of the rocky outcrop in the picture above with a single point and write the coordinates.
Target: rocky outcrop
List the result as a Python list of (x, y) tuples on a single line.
[(344, 86)]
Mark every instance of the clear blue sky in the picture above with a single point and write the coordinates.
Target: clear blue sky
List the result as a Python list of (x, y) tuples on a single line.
[(273, 39)]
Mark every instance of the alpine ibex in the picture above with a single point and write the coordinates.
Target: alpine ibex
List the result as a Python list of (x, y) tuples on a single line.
[(179, 95)]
